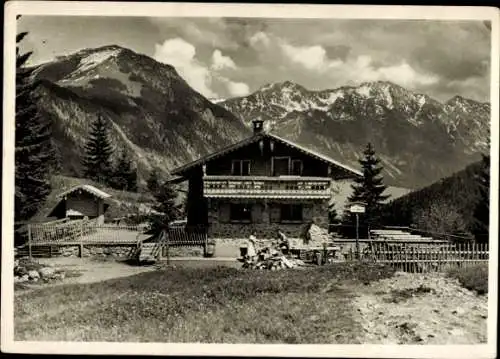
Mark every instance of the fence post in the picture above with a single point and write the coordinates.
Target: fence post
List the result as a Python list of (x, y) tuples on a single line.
[(357, 236), (80, 252), (29, 241), (167, 238), (474, 253)]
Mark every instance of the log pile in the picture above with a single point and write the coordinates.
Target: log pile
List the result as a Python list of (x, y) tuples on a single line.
[(318, 235), (272, 260), (274, 263)]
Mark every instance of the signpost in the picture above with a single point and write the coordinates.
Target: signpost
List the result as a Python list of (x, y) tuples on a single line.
[(357, 208)]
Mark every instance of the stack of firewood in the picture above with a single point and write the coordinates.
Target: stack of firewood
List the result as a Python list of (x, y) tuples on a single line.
[(273, 262)]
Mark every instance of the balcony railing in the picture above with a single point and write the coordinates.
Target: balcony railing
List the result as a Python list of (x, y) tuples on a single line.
[(266, 187)]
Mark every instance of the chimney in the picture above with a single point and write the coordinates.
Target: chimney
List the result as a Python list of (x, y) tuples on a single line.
[(258, 126)]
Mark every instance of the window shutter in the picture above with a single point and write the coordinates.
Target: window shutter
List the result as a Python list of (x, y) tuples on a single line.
[(257, 213), (307, 212), (224, 212), (274, 213)]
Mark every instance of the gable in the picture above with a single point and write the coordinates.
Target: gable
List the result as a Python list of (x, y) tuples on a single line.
[(252, 146), (261, 156)]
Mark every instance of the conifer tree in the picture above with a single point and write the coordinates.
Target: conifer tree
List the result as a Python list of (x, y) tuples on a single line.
[(34, 150), (167, 207), (332, 214), (482, 209), (370, 187), (153, 181), (125, 175), (122, 172), (132, 180), (98, 152)]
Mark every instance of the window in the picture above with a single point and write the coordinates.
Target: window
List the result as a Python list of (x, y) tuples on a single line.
[(291, 212), (240, 168), (241, 212), (297, 168), (245, 168), (280, 166)]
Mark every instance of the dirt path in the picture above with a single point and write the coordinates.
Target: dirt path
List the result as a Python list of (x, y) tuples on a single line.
[(421, 309), (87, 270)]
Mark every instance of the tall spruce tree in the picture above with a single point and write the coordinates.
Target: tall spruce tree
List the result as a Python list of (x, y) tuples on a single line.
[(370, 187), (122, 172), (332, 214), (132, 180), (482, 210), (98, 152), (34, 150), (153, 181), (167, 207), (124, 175)]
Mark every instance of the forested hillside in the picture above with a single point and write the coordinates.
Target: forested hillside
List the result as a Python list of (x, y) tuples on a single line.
[(449, 205)]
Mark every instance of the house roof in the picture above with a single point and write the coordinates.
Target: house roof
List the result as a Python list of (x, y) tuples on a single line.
[(253, 139), (87, 188)]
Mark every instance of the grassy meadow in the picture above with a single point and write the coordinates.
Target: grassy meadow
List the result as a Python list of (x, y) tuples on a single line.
[(211, 305)]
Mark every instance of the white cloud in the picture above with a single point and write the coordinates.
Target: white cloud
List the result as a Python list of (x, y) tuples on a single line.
[(405, 75), (260, 39), (312, 62), (362, 69), (237, 88), (220, 61), (181, 54), (311, 57)]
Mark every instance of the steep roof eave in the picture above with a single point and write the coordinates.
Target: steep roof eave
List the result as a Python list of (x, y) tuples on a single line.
[(315, 154), (87, 188), (183, 169)]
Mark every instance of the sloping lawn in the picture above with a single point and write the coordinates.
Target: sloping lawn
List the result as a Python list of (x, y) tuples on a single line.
[(200, 305)]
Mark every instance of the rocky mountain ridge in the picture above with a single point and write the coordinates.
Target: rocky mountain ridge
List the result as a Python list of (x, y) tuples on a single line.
[(418, 138), (154, 114), (164, 123)]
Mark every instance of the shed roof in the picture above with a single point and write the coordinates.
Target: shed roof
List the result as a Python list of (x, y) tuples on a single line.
[(255, 138), (87, 188)]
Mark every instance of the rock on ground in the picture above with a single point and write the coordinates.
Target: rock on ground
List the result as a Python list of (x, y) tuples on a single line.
[(421, 309), (47, 272), (33, 274)]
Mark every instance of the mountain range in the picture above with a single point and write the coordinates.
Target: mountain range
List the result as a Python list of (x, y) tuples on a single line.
[(154, 114), (417, 138), (164, 123)]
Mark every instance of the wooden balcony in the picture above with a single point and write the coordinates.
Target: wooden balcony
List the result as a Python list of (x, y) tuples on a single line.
[(266, 187)]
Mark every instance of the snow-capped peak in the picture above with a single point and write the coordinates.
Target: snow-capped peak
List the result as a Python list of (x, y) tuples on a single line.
[(96, 58), (282, 86)]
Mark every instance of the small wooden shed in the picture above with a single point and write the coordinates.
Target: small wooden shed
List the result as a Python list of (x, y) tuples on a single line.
[(80, 202)]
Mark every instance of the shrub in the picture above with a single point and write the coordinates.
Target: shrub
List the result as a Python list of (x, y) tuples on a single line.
[(473, 277)]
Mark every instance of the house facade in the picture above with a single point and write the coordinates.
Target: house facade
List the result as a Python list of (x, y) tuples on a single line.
[(262, 183)]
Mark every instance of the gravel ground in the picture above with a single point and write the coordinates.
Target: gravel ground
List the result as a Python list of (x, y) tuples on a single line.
[(421, 309), (91, 270)]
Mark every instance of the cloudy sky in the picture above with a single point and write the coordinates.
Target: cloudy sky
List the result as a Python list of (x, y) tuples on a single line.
[(227, 57)]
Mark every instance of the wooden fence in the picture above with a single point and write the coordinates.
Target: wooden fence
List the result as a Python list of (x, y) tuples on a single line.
[(422, 258), (64, 232), (58, 231), (448, 237), (187, 236)]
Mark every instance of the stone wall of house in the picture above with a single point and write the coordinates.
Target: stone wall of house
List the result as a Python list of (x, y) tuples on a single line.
[(197, 251), (265, 219), (123, 251), (96, 251)]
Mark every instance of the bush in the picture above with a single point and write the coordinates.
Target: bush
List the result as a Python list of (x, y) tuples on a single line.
[(473, 277)]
